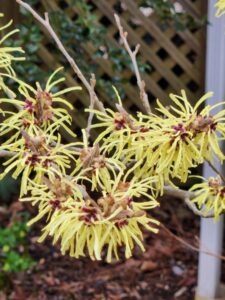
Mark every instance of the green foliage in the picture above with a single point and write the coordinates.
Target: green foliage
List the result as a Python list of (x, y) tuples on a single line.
[(167, 13), (30, 38), (72, 34), (13, 252), (84, 29), (14, 262), (8, 188)]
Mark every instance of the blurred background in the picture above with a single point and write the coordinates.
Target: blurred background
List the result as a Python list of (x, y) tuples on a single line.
[(172, 36)]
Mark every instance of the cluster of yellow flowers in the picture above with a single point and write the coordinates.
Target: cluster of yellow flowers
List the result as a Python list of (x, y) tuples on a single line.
[(210, 196), (168, 145), (88, 199), (6, 53), (220, 5), (96, 199), (94, 226), (7, 56)]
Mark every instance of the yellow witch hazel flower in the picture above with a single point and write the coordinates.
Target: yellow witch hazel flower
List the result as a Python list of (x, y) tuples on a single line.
[(35, 156), (184, 138), (53, 195), (7, 53), (170, 144), (84, 232), (98, 168), (220, 6), (168, 151), (36, 109), (210, 196), (103, 225), (206, 129), (119, 129), (102, 207)]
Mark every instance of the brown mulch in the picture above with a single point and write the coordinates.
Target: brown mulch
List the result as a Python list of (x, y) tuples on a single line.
[(166, 271)]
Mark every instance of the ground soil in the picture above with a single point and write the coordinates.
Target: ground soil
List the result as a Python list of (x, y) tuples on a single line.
[(166, 271)]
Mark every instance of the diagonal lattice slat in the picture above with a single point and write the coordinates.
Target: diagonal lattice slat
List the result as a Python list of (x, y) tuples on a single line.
[(176, 58)]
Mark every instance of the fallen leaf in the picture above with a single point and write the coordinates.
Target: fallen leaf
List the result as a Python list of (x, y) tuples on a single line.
[(149, 266)]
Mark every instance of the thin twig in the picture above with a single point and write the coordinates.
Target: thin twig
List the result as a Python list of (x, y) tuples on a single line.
[(215, 170), (92, 104), (46, 23), (186, 196), (5, 153), (133, 56), (190, 246), (71, 148)]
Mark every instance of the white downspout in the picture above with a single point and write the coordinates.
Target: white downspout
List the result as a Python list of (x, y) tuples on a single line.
[(211, 234)]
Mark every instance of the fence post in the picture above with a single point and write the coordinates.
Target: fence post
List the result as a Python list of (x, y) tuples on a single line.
[(211, 234)]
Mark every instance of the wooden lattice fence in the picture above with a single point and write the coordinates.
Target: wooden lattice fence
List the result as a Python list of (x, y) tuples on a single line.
[(176, 58)]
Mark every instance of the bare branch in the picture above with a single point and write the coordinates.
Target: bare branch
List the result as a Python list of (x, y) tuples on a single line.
[(5, 153), (46, 24), (92, 104), (190, 246), (215, 170), (133, 56), (186, 196)]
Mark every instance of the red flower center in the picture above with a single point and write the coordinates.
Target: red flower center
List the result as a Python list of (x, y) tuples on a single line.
[(29, 106), (55, 204), (33, 160), (121, 223), (90, 216)]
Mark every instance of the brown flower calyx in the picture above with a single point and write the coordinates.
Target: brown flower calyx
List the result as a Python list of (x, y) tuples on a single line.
[(214, 182), (123, 186), (41, 108), (129, 214), (91, 158), (90, 214), (36, 147), (60, 188), (106, 204), (203, 124), (109, 205), (125, 202), (36, 144), (122, 219)]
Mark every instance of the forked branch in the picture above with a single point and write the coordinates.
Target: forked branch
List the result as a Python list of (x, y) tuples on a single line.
[(46, 24), (94, 100), (186, 196)]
